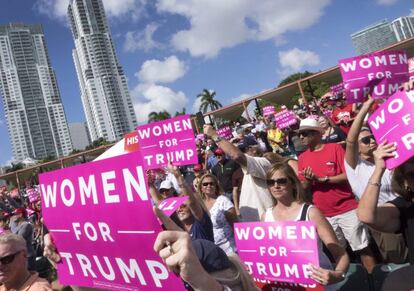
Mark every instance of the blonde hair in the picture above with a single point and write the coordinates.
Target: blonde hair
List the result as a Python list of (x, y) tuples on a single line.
[(15, 240), (200, 185), (298, 191)]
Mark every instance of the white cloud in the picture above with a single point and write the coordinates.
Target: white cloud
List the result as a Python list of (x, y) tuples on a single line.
[(241, 97), (218, 24), (151, 97), (295, 59), (196, 105), (141, 40), (166, 71), (386, 2), (114, 8), (1, 122)]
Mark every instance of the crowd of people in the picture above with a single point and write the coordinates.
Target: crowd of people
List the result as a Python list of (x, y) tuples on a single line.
[(328, 168)]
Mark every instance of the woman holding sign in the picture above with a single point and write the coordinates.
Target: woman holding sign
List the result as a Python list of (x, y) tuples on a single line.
[(290, 203)]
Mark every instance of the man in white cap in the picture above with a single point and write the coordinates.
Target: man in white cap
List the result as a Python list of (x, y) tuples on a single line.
[(322, 171)]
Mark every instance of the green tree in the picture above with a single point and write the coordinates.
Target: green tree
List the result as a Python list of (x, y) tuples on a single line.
[(14, 167), (208, 101), (97, 143), (178, 113), (315, 89), (157, 116)]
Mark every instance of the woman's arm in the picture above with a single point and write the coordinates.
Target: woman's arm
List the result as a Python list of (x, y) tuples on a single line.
[(327, 235), (194, 203), (351, 154), (384, 218), (231, 216)]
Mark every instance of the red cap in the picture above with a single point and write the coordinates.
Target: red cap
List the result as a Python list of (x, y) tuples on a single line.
[(219, 152), (19, 211), (197, 168)]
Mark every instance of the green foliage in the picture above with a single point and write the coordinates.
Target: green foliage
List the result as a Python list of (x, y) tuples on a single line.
[(15, 167), (316, 89), (97, 143), (160, 115), (178, 113), (207, 101)]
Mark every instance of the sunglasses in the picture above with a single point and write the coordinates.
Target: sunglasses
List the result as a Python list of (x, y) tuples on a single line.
[(367, 139), (9, 259), (205, 184), (164, 190), (306, 133), (280, 182)]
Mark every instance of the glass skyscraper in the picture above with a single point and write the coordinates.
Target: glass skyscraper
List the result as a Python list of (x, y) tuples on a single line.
[(104, 90), (32, 104), (373, 37)]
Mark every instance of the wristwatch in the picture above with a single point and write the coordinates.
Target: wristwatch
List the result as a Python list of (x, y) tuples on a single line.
[(217, 138)]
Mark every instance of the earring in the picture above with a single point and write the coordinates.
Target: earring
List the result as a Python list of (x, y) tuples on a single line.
[(408, 188)]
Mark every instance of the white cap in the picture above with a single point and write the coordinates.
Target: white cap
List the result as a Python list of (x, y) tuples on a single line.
[(166, 185), (310, 124)]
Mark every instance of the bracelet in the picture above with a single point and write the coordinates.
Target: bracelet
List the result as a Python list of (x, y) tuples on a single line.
[(374, 183)]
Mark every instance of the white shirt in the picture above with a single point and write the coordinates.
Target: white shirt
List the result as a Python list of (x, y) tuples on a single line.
[(358, 179), (255, 197)]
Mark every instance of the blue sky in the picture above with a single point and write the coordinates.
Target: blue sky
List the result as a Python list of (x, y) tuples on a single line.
[(172, 49)]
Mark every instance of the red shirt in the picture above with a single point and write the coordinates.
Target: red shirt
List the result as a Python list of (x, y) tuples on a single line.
[(331, 199), (342, 117)]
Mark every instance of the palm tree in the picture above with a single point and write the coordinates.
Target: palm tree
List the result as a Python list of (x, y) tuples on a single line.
[(178, 113), (157, 116), (208, 101)]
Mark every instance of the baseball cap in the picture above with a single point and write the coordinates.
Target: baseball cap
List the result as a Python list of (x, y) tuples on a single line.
[(219, 152), (166, 185)]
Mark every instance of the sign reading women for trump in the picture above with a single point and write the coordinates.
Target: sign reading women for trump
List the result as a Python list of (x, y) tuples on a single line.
[(170, 205), (278, 251), (168, 140), (376, 74), (337, 89), (91, 211), (268, 110), (411, 68), (285, 118), (225, 132), (394, 121)]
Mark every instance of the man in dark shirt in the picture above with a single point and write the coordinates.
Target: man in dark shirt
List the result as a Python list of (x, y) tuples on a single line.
[(224, 170)]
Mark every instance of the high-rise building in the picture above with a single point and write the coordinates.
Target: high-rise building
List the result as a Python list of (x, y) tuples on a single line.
[(373, 37), (104, 90), (80, 135), (403, 27), (33, 108)]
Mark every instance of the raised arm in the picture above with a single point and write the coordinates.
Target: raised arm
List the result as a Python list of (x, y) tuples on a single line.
[(231, 150), (384, 218), (351, 154), (194, 203)]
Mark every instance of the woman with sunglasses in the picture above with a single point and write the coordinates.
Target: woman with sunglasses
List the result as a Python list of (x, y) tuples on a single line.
[(395, 216), (222, 212), (290, 203), (359, 167)]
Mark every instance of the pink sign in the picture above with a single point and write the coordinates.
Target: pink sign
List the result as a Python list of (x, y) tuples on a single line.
[(170, 205), (337, 89), (278, 251), (168, 140), (225, 132), (29, 211), (33, 195), (91, 211), (200, 136), (285, 118), (376, 74), (268, 110), (411, 68), (393, 121)]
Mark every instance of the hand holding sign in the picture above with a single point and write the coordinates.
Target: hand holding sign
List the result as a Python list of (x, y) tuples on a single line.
[(384, 150), (175, 247)]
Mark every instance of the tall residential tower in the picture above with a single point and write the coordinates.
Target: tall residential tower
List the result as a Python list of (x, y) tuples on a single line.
[(33, 108), (105, 96)]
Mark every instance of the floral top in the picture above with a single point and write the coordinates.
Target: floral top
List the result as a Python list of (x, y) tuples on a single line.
[(223, 231)]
